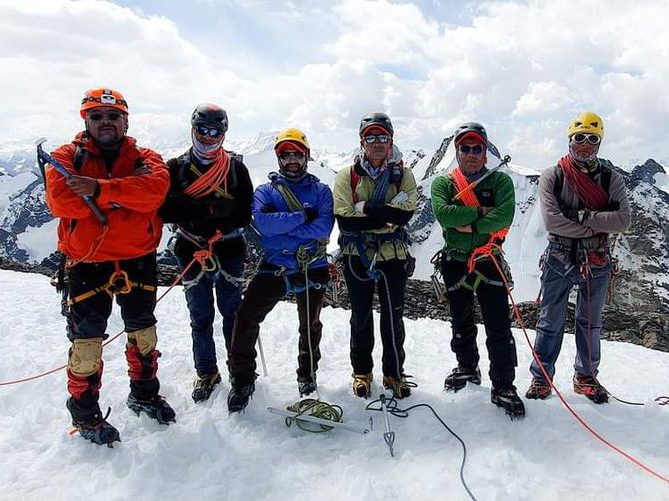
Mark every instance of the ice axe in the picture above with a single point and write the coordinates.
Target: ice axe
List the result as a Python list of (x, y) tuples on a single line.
[(44, 158)]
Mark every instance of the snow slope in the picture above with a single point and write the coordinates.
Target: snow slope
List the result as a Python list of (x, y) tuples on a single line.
[(208, 454)]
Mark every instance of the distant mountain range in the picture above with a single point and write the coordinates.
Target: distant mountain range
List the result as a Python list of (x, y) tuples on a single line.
[(28, 231)]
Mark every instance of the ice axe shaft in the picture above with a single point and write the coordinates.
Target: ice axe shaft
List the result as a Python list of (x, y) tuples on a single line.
[(44, 158)]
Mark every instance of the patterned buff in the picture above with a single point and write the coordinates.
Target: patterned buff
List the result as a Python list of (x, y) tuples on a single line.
[(592, 194), (206, 153), (586, 160)]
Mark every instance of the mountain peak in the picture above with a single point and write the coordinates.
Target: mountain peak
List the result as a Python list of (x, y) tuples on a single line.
[(648, 170)]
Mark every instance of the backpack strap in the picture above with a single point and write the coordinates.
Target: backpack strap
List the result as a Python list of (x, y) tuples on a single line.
[(79, 158), (395, 178), (183, 164), (355, 179), (287, 194)]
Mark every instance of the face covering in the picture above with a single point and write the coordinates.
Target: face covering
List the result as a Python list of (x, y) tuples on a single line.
[(206, 153), (585, 160)]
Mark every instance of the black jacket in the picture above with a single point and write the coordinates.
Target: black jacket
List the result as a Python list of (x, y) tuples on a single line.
[(202, 217)]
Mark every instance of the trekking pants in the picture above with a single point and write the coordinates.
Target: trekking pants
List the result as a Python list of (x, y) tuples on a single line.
[(200, 301), (87, 320), (391, 286), (494, 304), (265, 290), (557, 281)]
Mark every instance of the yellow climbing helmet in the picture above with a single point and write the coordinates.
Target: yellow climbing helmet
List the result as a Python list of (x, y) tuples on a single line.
[(586, 123), (294, 136)]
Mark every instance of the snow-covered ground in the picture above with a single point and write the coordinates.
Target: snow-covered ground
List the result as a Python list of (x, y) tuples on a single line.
[(209, 454)]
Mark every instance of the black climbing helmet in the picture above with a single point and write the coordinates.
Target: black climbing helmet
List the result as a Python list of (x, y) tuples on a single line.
[(467, 127), (210, 115), (379, 119)]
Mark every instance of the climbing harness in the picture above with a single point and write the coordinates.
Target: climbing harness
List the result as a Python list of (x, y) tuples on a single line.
[(206, 258), (437, 278), (119, 283), (473, 278)]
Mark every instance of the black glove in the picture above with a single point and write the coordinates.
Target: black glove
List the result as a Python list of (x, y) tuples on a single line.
[(310, 213), (267, 209)]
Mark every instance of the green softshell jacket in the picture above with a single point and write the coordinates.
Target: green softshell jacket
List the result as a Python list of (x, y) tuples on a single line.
[(494, 191)]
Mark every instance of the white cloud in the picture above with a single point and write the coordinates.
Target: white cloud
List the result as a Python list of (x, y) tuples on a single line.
[(523, 69), (541, 98)]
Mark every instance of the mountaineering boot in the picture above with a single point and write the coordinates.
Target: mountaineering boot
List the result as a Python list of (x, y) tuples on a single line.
[(401, 387), (591, 388), (204, 386), (156, 408), (538, 390), (239, 395), (460, 376), (362, 384), (94, 428), (507, 398), (306, 385)]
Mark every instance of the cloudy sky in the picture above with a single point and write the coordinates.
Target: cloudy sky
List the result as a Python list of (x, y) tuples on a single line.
[(522, 68)]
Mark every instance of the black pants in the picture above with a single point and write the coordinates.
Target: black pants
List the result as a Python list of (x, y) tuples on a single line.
[(495, 310), (88, 319), (264, 292), (391, 285)]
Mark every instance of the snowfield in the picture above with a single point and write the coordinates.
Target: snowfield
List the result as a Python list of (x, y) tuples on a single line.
[(209, 454)]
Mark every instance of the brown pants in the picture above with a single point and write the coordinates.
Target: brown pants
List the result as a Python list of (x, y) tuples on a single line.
[(264, 292)]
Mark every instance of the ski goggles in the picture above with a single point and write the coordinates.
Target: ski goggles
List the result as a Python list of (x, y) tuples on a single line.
[(110, 116), (209, 131), (477, 149), (373, 138), (285, 155), (582, 138)]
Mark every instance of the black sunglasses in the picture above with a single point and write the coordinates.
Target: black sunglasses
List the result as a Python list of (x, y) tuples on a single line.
[(371, 139), (285, 155), (582, 138), (466, 149), (208, 131), (112, 117)]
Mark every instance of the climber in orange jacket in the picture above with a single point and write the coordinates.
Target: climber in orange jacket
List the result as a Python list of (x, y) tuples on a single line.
[(114, 259)]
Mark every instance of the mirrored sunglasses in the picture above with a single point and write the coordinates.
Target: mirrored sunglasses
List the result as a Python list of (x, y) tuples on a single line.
[(208, 131), (382, 138), (582, 138), (474, 150), (111, 116), (285, 155)]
